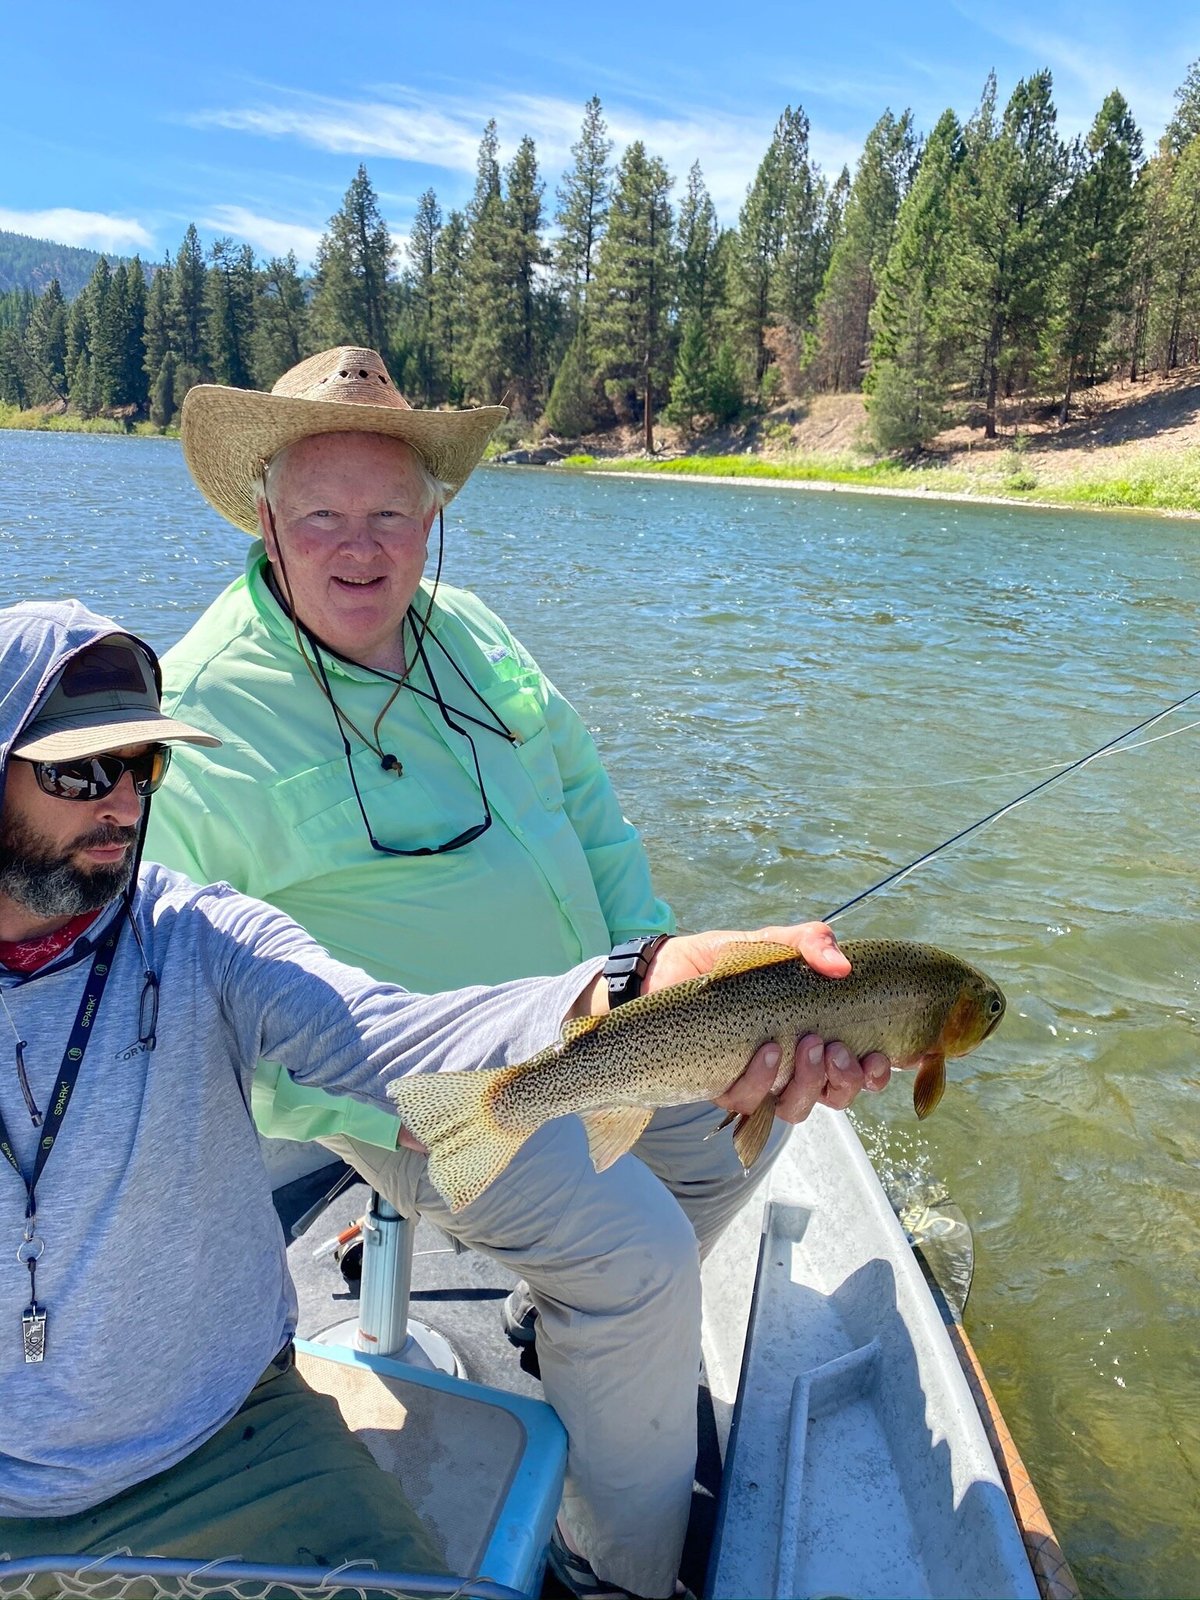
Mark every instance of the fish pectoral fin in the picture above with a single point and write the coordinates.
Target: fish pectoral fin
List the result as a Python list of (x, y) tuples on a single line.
[(930, 1084), (730, 1116), (752, 1132), (740, 955), (612, 1130)]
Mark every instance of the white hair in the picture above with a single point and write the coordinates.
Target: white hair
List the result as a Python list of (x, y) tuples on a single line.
[(434, 493)]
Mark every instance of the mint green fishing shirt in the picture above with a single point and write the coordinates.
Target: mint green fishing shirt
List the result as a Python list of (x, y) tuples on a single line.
[(558, 877)]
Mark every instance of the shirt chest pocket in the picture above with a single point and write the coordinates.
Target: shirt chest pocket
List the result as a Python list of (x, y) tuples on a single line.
[(517, 703), (334, 826), (537, 758)]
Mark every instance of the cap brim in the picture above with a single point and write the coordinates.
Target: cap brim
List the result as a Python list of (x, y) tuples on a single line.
[(227, 434), (74, 744)]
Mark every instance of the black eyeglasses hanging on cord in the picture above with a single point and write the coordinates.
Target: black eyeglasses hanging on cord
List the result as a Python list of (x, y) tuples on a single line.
[(389, 761)]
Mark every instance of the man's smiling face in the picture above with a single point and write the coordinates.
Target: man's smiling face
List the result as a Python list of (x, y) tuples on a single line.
[(352, 519)]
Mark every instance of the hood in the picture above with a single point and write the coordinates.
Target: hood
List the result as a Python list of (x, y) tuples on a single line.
[(37, 640)]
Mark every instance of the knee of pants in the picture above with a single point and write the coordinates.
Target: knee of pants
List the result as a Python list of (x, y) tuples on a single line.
[(660, 1262)]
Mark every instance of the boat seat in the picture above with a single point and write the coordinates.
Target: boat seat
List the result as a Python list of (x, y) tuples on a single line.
[(482, 1467)]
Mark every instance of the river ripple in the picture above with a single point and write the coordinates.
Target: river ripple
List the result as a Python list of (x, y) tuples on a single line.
[(797, 693)]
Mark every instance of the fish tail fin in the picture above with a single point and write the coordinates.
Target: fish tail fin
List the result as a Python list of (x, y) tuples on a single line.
[(451, 1114)]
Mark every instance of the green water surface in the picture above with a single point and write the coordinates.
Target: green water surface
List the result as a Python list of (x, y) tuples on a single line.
[(797, 693)]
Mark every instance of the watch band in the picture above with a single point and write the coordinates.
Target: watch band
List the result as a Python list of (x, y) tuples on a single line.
[(627, 966)]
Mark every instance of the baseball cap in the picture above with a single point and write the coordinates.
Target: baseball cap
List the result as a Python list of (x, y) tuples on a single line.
[(105, 697)]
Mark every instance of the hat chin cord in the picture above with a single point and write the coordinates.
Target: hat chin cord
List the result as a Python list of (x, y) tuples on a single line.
[(387, 760)]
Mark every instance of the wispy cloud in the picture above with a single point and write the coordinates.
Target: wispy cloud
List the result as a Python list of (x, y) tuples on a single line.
[(93, 229), (1086, 67), (444, 129), (267, 234)]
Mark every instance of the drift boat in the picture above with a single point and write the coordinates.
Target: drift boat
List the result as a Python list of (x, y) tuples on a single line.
[(849, 1443)]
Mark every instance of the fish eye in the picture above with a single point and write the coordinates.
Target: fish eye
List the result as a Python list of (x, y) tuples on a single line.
[(995, 1006)]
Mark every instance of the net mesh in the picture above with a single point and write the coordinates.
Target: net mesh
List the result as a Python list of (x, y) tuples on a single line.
[(99, 1581)]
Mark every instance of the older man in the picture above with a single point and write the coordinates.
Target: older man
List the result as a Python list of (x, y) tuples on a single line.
[(399, 776)]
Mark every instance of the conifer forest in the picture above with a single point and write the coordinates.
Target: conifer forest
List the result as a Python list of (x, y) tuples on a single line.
[(953, 269)]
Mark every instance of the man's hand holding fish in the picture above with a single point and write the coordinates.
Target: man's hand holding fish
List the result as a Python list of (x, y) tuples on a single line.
[(825, 1072)]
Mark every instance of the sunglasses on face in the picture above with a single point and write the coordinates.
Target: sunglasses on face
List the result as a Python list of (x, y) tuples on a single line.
[(94, 777)]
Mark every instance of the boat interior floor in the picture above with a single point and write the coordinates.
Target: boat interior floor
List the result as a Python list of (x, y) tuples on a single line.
[(459, 1294)]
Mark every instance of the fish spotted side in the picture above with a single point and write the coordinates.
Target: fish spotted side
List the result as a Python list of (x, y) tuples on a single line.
[(689, 1042)]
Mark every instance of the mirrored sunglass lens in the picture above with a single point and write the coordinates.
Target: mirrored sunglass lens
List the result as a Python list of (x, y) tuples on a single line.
[(75, 780), (97, 776)]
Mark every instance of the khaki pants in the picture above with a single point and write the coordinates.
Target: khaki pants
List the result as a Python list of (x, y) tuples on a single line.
[(612, 1261), (283, 1482)]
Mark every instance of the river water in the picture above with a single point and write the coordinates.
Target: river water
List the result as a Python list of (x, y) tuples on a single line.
[(796, 693)]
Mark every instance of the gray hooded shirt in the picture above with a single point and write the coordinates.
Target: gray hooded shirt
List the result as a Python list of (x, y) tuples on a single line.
[(164, 1276)]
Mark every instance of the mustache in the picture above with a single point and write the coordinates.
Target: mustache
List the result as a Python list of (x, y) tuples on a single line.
[(108, 834)]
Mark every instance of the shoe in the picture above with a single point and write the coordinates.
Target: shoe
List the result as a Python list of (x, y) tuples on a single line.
[(519, 1316), (576, 1576)]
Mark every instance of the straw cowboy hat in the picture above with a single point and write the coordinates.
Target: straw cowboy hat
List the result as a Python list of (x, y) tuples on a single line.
[(229, 434)]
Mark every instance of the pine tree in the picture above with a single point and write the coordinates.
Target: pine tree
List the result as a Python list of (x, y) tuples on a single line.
[(46, 342), (525, 255), (229, 313), (1185, 124), (725, 398), (490, 300), (422, 258), (804, 230), (697, 235), (280, 338), (1007, 226), (630, 326), (1102, 226), (906, 380), (866, 231), (79, 367), (759, 247), (133, 387), (158, 338), (104, 294), (351, 301), (450, 330), (1174, 315), (571, 409), (163, 402), (691, 385), (188, 279), (583, 210), (1151, 193)]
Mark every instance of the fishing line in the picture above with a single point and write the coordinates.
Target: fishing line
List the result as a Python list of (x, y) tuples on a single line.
[(1001, 811)]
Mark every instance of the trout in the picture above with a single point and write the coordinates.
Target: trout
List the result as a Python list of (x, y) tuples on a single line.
[(689, 1042)]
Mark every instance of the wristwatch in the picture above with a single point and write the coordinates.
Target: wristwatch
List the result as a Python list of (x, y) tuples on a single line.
[(627, 966)]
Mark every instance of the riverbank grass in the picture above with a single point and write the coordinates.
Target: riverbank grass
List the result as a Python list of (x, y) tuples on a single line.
[(12, 417), (1166, 483)]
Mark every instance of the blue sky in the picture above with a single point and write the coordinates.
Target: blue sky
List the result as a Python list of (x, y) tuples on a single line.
[(122, 123)]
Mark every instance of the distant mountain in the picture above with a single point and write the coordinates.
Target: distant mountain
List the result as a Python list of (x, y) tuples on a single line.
[(31, 263)]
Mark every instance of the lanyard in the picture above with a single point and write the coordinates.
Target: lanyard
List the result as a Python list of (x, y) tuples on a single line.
[(32, 1245)]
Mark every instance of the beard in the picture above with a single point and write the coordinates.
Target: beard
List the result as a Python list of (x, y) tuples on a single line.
[(49, 885)]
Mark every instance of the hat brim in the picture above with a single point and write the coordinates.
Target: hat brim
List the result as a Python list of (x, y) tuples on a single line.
[(227, 434), (75, 744)]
